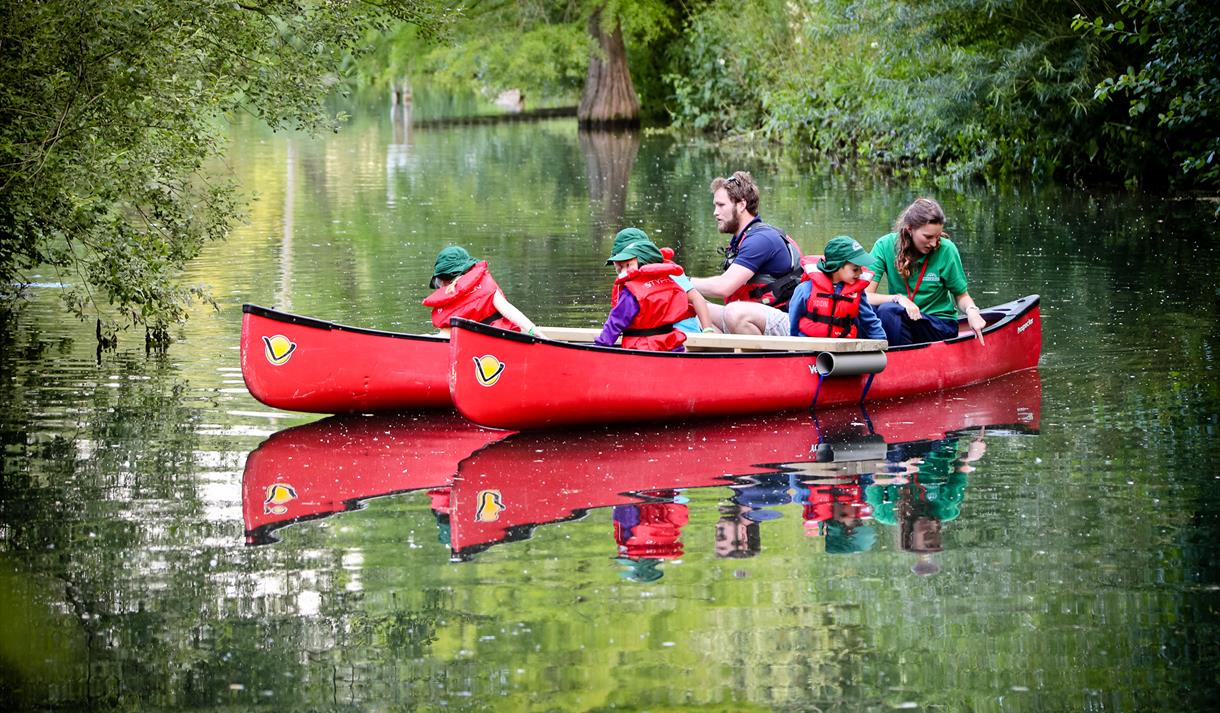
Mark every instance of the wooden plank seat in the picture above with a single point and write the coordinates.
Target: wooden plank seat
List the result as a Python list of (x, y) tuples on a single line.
[(709, 341)]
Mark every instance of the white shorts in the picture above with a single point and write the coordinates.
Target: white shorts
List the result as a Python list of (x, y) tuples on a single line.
[(777, 321), (778, 324)]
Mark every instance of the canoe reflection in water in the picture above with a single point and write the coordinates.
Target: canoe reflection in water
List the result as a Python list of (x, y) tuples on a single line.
[(322, 468), (849, 470)]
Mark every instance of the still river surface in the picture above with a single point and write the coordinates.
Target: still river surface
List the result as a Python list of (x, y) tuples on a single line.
[(1046, 542)]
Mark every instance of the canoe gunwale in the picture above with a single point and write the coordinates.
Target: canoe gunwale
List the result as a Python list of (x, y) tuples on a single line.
[(1009, 311), (315, 323)]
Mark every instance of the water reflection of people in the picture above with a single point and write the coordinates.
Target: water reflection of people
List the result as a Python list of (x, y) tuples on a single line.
[(933, 494), (761, 495), (754, 500), (737, 536), (836, 509), (438, 500), (649, 532)]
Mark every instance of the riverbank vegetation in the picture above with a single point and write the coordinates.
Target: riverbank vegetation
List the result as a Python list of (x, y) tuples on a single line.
[(110, 111), (1117, 91)]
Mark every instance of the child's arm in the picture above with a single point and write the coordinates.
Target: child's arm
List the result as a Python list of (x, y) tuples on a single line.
[(796, 307), (699, 304), (868, 324), (620, 318), (514, 315)]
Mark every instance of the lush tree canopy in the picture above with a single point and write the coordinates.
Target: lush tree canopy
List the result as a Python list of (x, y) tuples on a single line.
[(976, 87), (1170, 80), (1125, 90), (543, 47), (108, 113)]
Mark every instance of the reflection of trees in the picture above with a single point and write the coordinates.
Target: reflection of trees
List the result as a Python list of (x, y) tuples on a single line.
[(609, 159), (283, 298), (399, 149)]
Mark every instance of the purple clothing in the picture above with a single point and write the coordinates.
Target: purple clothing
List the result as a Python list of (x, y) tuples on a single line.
[(620, 319)]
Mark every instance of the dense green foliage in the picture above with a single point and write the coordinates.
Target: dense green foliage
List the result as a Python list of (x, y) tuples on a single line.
[(1172, 83), (541, 47), (108, 115), (978, 87), (990, 88)]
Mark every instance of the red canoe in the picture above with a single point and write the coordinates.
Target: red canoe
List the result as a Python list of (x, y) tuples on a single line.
[(304, 364), (502, 492), (323, 468), (510, 380)]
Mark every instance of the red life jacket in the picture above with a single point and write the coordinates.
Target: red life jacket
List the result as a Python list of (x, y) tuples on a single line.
[(656, 534), (472, 297), (822, 499), (767, 288), (828, 314), (662, 304)]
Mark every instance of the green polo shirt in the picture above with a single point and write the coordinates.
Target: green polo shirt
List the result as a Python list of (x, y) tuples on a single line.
[(943, 279)]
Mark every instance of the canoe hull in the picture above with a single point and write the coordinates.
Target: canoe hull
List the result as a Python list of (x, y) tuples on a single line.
[(513, 381), (303, 364)]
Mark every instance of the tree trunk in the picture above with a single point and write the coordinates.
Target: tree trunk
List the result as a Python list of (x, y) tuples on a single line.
[(609, 98)]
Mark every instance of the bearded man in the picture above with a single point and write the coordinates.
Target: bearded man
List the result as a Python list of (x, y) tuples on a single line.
[(761, 266)]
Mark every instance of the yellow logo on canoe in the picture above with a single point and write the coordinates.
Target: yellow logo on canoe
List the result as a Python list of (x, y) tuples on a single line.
[(490, 506), (278, 497), (278, 349), (487, 369)]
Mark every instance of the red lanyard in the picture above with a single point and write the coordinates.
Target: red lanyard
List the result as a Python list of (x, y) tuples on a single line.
[(911, 293)]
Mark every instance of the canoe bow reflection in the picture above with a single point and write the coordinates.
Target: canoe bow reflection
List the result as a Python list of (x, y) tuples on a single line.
[(331, 466)]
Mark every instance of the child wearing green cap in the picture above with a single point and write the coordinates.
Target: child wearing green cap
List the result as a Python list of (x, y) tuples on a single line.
[(830, 301), (653, 303), (464, 288)]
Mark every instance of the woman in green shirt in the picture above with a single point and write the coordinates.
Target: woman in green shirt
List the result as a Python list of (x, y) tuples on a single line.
[(923, 271)]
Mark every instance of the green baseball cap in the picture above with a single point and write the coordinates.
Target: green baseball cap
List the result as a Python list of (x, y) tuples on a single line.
[(842, 249), (450, 262), (633, 243), (841, 541)]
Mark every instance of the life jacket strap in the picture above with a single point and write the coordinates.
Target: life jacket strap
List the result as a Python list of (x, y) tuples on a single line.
[(843, 322), (650, 331)]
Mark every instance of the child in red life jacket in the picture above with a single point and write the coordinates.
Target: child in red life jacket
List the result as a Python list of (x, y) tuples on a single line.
[(653, 302), (464, 288), (830, 300)]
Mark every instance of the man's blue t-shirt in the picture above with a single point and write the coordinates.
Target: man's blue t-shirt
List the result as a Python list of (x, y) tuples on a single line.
[(763, 249)]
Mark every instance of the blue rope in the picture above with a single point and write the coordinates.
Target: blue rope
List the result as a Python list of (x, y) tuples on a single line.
[(867, 385), (816, 391)]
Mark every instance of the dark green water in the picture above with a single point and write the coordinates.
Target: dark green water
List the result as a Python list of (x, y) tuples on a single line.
[(1061, 558)]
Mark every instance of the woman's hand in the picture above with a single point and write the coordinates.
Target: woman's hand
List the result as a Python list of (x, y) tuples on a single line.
[(912, 311), (977, 323)]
